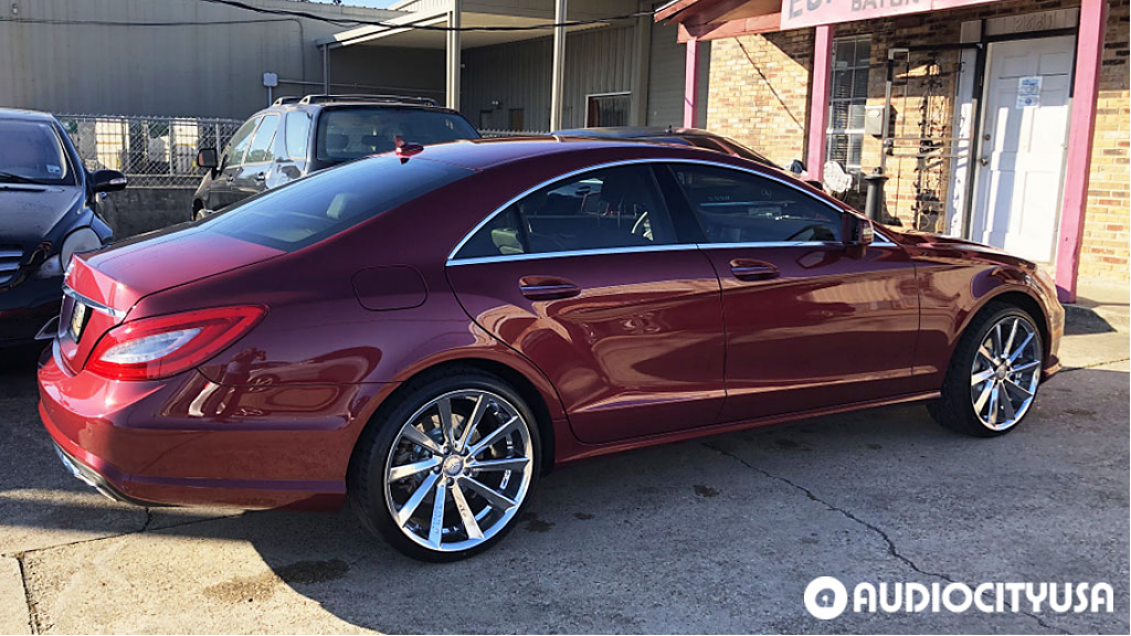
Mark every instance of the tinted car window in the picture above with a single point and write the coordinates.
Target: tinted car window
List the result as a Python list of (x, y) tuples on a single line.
[(261, 145), (32, 151), (349, 133), (611, 208), (239, 142), (308, 210), (298, 130), (739, 207)]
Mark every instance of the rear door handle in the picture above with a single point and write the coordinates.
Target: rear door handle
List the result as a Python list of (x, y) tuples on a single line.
[(547, 288), (749, 269)]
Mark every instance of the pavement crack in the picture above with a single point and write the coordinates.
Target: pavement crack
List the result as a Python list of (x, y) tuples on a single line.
[(144, 528), (32, 614), (891, 547), (892, 550)]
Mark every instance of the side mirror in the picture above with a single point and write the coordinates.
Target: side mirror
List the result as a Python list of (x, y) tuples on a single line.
[(207, 158), (107, 181), (796, 167), (858, 231)]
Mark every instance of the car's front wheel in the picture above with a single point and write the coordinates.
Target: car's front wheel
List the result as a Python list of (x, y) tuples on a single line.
[(993, 377), (449, 467)]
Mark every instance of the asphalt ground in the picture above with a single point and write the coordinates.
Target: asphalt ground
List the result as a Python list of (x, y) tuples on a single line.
[(715, 535)]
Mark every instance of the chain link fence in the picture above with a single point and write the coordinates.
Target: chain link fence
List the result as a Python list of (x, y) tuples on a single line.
[(153, 152)]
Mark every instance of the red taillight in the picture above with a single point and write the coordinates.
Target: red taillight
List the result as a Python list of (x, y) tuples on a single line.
[(158, 347)]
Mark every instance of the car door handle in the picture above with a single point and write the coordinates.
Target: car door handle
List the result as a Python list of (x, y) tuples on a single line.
[(547, 288), (261, 176), (749, 269)]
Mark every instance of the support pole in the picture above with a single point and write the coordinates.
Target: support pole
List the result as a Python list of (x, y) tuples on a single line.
[(326, 69), (1089, 55), (641, 58), (557, 87), (691, 83), (454, 55), (819, 101)]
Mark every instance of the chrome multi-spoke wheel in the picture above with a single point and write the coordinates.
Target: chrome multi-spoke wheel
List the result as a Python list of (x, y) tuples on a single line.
[(992, 379), (1005, 373), (459, 469)]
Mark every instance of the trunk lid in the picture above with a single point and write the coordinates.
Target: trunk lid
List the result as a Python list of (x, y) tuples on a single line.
[(103, 287)]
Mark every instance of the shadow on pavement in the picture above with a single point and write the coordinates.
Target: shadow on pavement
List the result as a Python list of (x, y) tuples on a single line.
[(718, 535)]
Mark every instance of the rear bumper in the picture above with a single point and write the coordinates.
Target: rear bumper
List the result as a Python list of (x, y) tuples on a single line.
[(126, 440)]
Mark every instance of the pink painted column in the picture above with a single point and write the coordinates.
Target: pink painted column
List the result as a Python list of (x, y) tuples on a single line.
[(691, 84), (1089, 54), (819, 101)]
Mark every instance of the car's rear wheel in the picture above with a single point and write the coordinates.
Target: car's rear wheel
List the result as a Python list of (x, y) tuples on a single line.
[(448, 470), (994, 375)]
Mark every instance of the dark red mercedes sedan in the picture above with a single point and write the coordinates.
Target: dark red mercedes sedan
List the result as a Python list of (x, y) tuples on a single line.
[(425, 333)]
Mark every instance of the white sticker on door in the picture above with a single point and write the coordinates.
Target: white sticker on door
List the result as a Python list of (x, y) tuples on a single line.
[(1029, 91)]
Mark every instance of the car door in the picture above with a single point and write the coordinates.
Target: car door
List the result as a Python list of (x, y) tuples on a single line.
[(810, 322), (587, 278), (220, 193), (251, 179)]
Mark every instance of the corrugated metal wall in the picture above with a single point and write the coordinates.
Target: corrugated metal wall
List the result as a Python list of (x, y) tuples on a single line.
[(517, 75), (665, 78), (94, 56)]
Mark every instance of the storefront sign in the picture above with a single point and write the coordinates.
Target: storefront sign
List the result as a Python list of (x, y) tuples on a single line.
[(806, 13)]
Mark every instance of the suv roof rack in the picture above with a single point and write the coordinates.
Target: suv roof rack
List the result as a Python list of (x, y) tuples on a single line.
[(282, 101), (380, 99)]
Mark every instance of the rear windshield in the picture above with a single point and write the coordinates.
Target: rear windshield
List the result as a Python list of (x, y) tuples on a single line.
[(308, 210), (31, 152), (349, 133)]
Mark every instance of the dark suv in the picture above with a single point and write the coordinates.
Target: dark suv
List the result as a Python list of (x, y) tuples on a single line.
[(295, 137)]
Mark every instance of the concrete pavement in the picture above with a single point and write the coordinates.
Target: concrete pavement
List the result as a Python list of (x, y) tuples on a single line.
[(717, 535)]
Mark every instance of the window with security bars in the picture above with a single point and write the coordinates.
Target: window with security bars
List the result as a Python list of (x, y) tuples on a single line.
[(848, 97)]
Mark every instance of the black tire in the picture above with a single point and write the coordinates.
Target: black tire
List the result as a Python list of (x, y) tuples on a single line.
[(954, 409), (366, 477)]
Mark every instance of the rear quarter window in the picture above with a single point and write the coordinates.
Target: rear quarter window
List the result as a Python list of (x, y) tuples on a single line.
[(349, 133), (311, 209)]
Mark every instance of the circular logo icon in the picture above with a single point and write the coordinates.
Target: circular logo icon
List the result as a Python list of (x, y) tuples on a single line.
[(825, 598)]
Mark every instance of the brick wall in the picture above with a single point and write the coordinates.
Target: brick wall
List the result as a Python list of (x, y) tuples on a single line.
[(759, 92), (759, 95)]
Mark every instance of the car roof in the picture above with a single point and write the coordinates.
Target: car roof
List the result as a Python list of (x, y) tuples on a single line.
[(634, 132), (26, 115), (481, 154), (314, 103)]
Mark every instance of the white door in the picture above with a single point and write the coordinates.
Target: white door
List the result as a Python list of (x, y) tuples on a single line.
[(1024, 137)]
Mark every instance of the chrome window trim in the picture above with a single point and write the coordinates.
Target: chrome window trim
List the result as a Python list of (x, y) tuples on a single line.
[(670, 247), (116, 314), (451, 260)]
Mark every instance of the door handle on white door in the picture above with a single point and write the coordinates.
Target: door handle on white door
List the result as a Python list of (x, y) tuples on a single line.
[(984, 161)]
